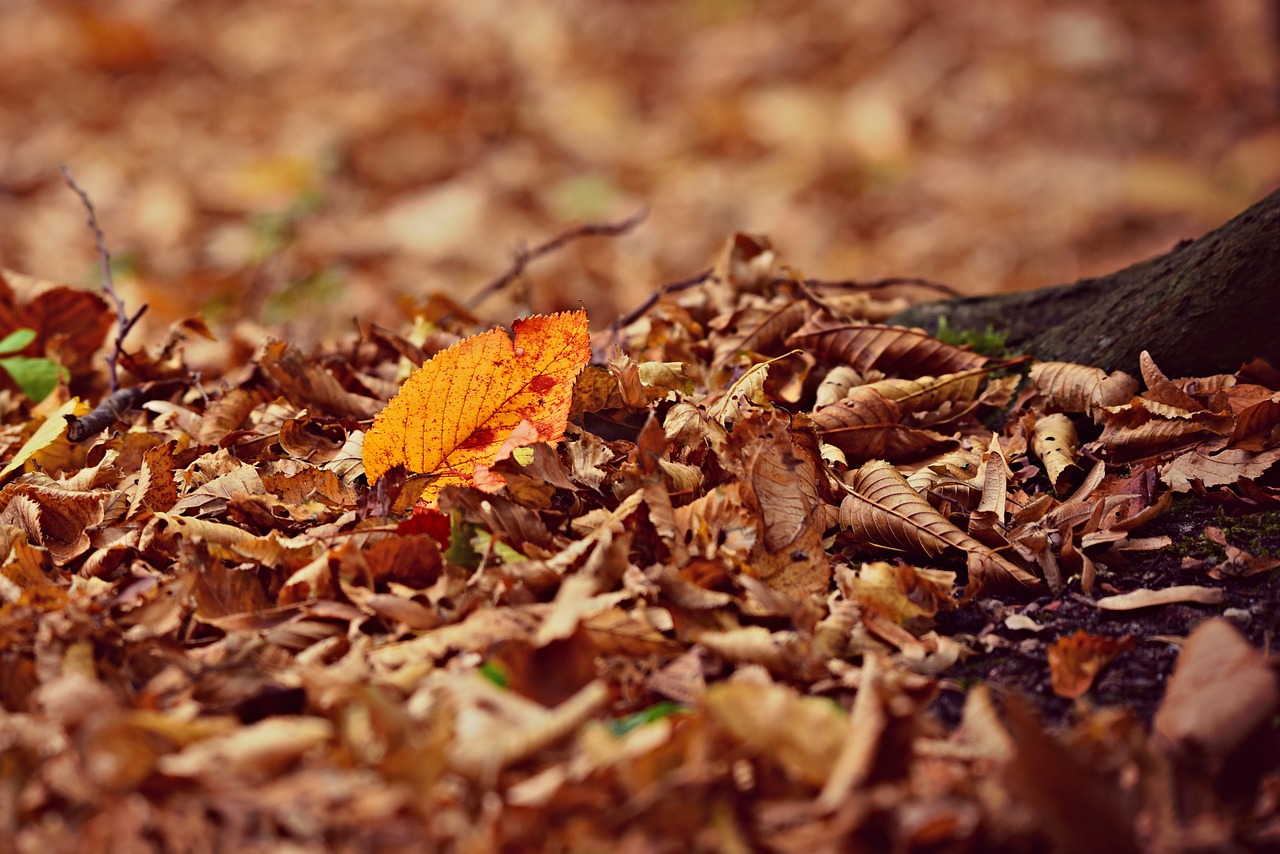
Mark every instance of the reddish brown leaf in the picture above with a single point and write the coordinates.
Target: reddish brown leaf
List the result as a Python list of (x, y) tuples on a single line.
[(1257, 426), (1078, 388), (1076, 660), (866, 426), (74, 321), (1221, 690), (883, 510), (907, 352)]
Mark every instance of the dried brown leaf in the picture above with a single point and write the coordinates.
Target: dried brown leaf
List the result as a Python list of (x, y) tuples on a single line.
[(226, 414), (1076, 660), (1212, 465), (480, 630), (1054, 441), (305, 384), (925, 393), (1081, 811), (867, 722), (314, 439), (867, 426), (836, 385), (902, 593), (1077, 388), (1135, 433), (883, 510), (1221, 690), (746, 262), (254, 751), (1257, 426), (497, 728), (760, 329), (1144, 598), (1161, 389), (801, 735), (896, 349)]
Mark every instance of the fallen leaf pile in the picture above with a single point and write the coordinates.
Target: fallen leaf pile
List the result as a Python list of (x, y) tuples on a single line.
[(446, 587)]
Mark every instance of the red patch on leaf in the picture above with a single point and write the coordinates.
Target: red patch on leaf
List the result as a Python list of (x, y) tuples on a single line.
[(542, 384), (429, 521)]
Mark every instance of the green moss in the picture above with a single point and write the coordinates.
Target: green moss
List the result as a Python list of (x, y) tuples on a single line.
[(1257, 534), (988, 342)]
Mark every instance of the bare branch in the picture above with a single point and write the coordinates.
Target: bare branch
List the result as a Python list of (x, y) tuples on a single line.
[(875, 284), (669, 288), (524, 256), (124, 322), (114, 407), (102, 416)]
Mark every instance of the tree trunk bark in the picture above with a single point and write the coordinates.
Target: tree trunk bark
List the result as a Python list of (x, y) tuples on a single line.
[(1205, 307)]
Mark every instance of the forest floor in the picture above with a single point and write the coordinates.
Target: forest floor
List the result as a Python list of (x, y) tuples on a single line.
[(686, 560)]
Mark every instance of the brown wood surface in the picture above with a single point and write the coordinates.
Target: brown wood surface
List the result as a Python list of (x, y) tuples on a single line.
[(1205, 307)]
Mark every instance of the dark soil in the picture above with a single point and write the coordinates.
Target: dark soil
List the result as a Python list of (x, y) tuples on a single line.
[(1135, 679)]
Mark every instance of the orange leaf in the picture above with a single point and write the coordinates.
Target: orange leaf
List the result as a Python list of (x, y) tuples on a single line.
[(1075, 661), (460, 408)]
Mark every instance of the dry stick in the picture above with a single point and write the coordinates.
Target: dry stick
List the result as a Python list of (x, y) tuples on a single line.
[(123, 321), (875, 284), (615, 328), (524, 256), (115, 406), (808, 285), (669, 288), (104, 414)]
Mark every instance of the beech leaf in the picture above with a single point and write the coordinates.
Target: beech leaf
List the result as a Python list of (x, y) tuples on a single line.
[(889, 348), (1222, 689), (1076, 660), (883, 510), (1079, 388), (1054, 441), (1144, 598), (866, 425), (925, 393), (458, 411)]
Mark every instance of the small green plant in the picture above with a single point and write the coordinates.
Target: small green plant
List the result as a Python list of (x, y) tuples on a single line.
[(37, 377), (496, 673), (989, 342), (657, 711)]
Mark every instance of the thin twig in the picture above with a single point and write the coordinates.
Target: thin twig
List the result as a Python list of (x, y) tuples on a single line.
[(615, 328), (114, 407), (524, 256), (875, 284), (670, 288), (108, 411), (124, 322)]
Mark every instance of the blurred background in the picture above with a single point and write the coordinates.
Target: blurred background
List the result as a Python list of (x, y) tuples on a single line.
[(300, 163)]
